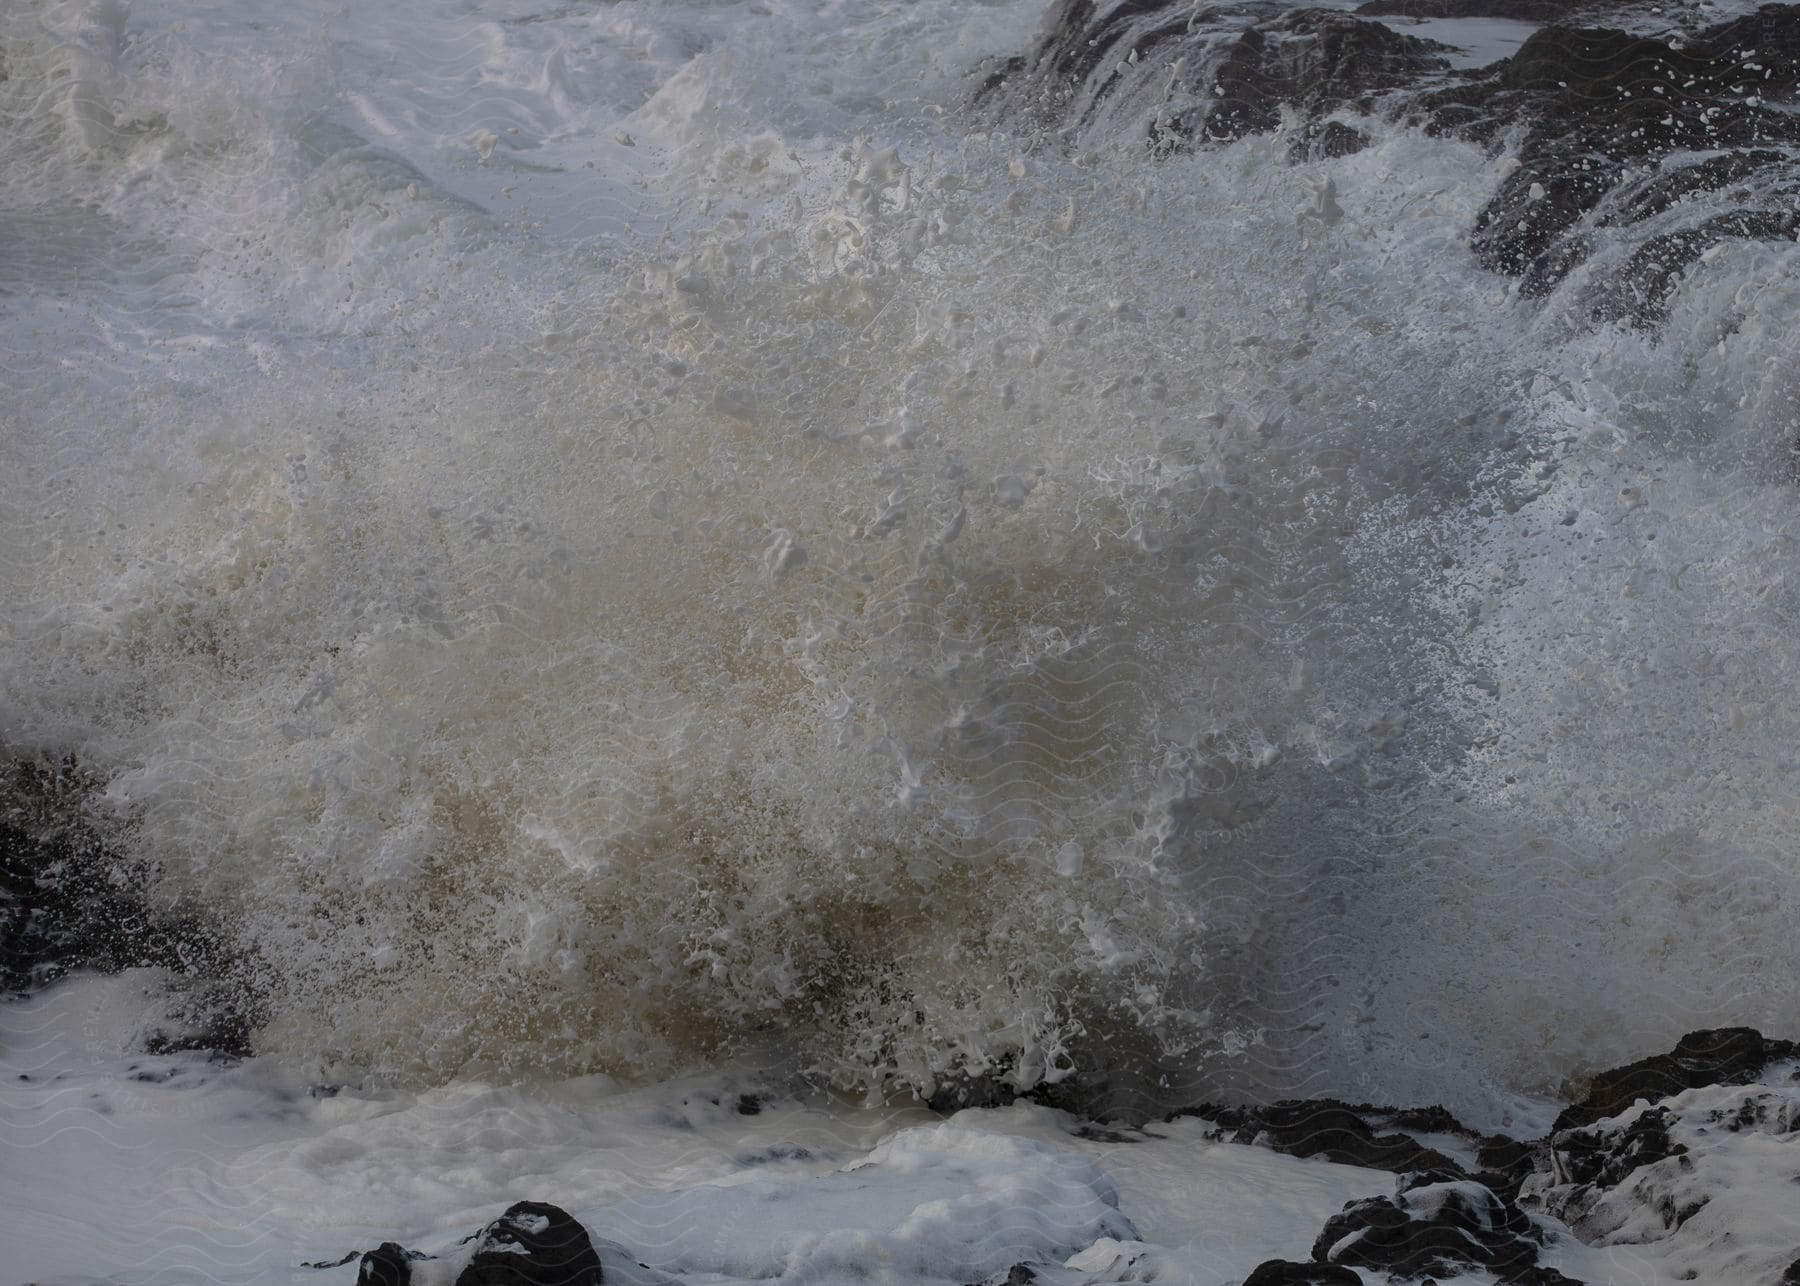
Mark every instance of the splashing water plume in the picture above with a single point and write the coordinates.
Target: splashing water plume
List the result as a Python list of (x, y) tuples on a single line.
[(815, 579)]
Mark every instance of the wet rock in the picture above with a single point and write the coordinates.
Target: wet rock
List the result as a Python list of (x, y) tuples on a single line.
[(389, 1264), (1504, 1164), (1642, 291), (1349, 1134), (1174, 73), (1312, 59), (1723, 175), (56, 909), (1433, 1226), (1519, 10), (1597, 1155), (1591, 1162), (1540, 1275), (1017, 1275), (1326, 140), (1720, 1056), (1612, 127), (1286, 1272), (69, 899), (1646, 1174), (1601, 104), (532, 1244)]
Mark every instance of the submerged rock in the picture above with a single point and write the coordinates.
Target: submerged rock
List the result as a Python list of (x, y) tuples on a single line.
[(1695, 1147)]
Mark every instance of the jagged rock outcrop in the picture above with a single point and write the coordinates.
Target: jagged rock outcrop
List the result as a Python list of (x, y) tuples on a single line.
[(1718, 1056)]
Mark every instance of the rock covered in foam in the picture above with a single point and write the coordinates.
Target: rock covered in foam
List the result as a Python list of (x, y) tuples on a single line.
[(532, 1244), (389, 1264), (1436, 1224), (1708, 1175)]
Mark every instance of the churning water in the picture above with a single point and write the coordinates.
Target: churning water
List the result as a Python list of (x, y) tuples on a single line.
[(614, 535)]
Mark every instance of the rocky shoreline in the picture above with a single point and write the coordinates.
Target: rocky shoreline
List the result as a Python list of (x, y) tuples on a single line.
[(1642, 1157)]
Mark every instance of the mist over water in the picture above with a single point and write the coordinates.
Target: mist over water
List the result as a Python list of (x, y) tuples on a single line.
[(613, 537)]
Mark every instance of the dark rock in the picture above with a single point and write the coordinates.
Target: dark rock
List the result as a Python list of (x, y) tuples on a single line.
[(1792, 1276), (1324, 140), (1539, 1275), (1600, 103), (1285, 1272), (1520, 10), (533, 1244), (1642, 291), (1596, 1155), (1017, 1275), (1723, 1056), (1612, 127), (389, 1264), (1313, 59), (1661, 191), (1432, 1227), (1214, 72), (1652, 1168), (1506, 1163), (70, 899), (58, 907), (1349, 1134)]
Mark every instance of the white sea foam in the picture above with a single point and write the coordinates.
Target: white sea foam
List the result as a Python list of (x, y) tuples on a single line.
[(593, 539)]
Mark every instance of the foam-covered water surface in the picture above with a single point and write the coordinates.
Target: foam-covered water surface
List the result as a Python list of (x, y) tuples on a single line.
[(606, 538)]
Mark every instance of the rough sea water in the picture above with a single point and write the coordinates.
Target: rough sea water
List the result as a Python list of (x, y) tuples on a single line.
[(622, 540)]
